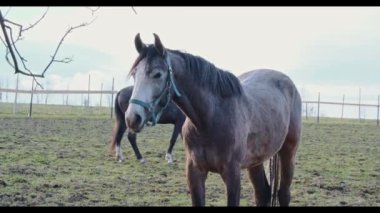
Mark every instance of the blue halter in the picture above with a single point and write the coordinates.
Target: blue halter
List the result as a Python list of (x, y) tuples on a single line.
[(166, 92)]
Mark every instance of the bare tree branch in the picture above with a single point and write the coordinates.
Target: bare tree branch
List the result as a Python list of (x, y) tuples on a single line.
[(21, 27), (7, 41), (38, 21), (134, 10), (93, 10), (6, 13), (18, 25), (11, 47), (5, 44), (65, 60), (7, 53), (60, 43), (23, 60), (37, 83)]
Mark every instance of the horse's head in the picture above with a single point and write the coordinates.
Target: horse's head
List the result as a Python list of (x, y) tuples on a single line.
[(153, 87)]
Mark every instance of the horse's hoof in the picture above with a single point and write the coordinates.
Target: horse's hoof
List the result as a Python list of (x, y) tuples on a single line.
[(170, 161), (142, 160), (169, 158), (120, 159)]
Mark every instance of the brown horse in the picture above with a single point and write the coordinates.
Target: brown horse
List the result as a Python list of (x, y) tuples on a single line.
[(171, 115), (232, 123)]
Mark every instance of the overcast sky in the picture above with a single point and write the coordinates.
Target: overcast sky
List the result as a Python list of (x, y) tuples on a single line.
[(332, 50)]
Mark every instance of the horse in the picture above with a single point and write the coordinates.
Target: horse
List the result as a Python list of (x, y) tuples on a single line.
[(232, 123), (171, 115)]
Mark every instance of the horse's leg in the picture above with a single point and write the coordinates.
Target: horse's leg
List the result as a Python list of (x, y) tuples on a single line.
[(288, 151), (231, 178), (287, 159), (173, 139), (132, 141), (196, 182), (119, 130), (260, 185)]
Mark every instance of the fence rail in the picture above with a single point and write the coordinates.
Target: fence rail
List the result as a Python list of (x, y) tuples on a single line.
[(338, 103), (59, 91), (112, 92)]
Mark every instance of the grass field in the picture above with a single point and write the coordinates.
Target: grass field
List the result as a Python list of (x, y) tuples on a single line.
[(60, 158)]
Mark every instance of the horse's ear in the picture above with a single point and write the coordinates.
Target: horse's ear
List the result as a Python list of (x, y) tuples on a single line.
[(157, 43), (140, 46)]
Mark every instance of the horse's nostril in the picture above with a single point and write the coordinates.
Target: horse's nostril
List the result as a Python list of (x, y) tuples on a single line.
[(138, 119)]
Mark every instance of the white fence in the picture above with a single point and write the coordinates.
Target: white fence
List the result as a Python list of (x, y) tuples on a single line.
[(309, 108)]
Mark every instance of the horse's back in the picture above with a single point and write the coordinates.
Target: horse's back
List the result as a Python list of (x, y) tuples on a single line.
[(266, 83)]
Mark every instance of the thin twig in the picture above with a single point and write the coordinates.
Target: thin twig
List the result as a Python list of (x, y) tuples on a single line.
[(11, 48), (6, 13), (5, 44), (35, 23), (18, 25), (60, 43), (21, 27), (134, 10), (93, 10)]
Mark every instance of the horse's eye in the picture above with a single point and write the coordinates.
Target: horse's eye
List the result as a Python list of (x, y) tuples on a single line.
[(157, 75)]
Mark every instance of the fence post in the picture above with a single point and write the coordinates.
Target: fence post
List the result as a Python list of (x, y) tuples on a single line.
[(113, 81), (6, 94), (319, 98), (360, 94), (101, 93), (15, 103), (341, 118), (88, 95), (67, 96), (378, 106), (306, 110), (31, 100), (1, 94)]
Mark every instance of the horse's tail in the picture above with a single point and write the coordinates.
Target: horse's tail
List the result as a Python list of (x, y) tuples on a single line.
[(119, 115), (274, 174)]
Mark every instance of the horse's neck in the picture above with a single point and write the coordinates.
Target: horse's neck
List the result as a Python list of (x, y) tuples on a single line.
[(196, 105), (199, 104)]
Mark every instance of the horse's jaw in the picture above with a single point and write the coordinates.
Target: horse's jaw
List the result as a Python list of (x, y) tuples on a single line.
[(135, 130)]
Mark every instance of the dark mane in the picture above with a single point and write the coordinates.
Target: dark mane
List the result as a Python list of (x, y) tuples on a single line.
[(219, 81)]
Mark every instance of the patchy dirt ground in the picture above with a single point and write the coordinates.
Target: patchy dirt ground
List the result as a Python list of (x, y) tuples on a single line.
[(65, 162)]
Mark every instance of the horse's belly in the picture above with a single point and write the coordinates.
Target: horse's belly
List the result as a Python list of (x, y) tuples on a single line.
[(254, 159), (260, 148)]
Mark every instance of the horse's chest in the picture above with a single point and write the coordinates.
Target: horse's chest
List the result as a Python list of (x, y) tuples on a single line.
[(208, 154)]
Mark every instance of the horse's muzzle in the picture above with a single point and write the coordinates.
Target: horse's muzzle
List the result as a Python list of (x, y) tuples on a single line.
[(134, 123)]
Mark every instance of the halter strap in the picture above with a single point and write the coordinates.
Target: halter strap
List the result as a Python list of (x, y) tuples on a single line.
[(170, 83)]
